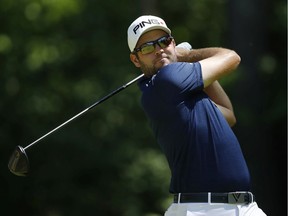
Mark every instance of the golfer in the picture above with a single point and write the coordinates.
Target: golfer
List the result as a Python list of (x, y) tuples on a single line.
[(191, 117)]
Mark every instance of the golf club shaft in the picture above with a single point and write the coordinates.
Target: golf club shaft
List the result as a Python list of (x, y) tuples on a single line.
[(85, 110)]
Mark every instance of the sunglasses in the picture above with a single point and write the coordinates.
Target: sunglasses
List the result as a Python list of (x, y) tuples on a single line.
[(149, 47)]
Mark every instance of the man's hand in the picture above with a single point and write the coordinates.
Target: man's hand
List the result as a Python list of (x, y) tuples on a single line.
[(182, 51)]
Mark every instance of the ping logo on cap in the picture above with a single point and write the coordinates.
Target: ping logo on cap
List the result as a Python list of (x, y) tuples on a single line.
[(144, 23)]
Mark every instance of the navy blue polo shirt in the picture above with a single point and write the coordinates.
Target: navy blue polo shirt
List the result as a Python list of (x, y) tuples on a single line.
[(202, 151)]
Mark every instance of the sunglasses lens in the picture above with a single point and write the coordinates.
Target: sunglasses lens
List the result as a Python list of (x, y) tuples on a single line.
[(164, 42), (147, 49)]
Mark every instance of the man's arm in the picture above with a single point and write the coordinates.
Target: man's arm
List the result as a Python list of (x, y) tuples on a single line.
[(217, 94), (219, 62), (215, 62)]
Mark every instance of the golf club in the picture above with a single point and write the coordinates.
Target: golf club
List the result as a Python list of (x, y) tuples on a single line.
[(19, 164)]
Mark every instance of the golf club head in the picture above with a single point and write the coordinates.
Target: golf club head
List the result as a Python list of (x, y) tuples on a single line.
[(19, 163)]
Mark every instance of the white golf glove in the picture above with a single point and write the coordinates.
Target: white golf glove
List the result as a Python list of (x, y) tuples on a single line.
[(185, 45)]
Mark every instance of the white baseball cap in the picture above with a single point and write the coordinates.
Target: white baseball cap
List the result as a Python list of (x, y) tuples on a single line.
[(142, 25)]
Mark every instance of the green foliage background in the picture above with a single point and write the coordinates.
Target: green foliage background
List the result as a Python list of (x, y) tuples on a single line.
[(57, 57)]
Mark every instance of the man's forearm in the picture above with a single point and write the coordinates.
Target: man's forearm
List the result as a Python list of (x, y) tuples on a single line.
[(217, 94), (196, 55)]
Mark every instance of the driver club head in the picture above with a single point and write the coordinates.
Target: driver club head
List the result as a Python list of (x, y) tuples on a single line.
[(18, 162)]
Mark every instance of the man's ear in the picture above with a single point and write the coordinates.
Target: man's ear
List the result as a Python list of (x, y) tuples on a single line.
[(135, 60)]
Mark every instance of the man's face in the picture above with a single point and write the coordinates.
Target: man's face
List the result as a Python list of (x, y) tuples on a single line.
[(150, 63)]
